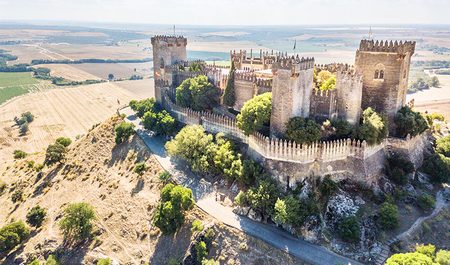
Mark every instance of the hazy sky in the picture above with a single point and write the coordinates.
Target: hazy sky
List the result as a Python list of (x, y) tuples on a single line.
[(231, 12)]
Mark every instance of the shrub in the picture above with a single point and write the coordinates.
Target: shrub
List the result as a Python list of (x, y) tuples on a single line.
[(241, 199), (28, 116), (251, 171), (201, 251), (52, 260), (428, 250), (197, 226), (409, 259), (280, 214), (123, 131), (327, 186), (426, 202), (303, 131), (343, 128), (348, 229), (165, 176), (299, 209), (104, 261), (36, 216), (373, 128), (76, 224), (175, 200), (209, 235), (262, 197), (19, 154), (55, 153), (255, 113), (443, 146), (17, 195), (443, 257), (409, 122), (140, 168), (438, 166), (397, 168), (197, 93), (2, 187), (11, 235), (225, 160), (35, 262), (64, 141), (389, 216), (23, 129)]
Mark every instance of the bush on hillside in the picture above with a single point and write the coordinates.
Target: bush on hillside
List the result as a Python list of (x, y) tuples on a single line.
[(123, 132), (76, 224), (19, 154), (388, 216), (348, 229), (397, 168), (36, 216), (438, 166), (54, 153), (11, 235), (426, 202), (443, 146), (139, 168), (64, 141), (373, 128)]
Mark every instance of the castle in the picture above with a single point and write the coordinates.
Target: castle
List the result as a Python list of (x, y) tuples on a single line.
[(378, 79)]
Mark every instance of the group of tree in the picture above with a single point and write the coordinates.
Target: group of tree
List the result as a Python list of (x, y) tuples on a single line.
[(324, 79), (422, 83), (170, 213), (197, 93), (409, 122), (438, 164), (423, 255), (57, 151), (397, 168), (23, 121), (229, 95), (205, 153), (154, 118), (255, 113)]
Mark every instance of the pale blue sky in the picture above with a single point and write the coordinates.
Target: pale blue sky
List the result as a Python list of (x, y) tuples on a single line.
[(231, 12)]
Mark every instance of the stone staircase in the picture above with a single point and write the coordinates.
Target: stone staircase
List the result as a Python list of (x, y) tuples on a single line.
[(385, 251)]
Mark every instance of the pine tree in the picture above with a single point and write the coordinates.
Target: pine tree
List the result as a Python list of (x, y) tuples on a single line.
[(229, 96)]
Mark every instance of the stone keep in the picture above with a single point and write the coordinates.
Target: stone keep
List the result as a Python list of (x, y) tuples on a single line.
[(349, 95), (167, 51), (385, 69), (291, 91)]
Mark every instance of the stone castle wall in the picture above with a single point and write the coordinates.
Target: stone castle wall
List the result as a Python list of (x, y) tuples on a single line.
[(247, 86), (323, 105), (349, 96)]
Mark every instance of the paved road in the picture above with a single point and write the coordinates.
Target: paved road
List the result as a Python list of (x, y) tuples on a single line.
[(204, 195)]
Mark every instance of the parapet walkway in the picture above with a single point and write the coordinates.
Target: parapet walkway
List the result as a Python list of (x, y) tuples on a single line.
[(204, 195)]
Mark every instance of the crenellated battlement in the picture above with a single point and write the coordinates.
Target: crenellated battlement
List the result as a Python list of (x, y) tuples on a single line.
[(334, 67), (388, 46), (349, 76), (323, 93), (294, 63), (177, 40)]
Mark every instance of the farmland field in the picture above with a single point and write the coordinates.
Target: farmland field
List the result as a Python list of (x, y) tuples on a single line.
[(15, 84)]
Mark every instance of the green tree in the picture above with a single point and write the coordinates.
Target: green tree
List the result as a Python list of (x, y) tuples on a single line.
[(55, 153), (329, 84), (343, 128), (426, 202), (110, 77), (443, 145), (123, 131), (225, 158), (139, 168), (389, 216), (229, 95), (299, 209), (52, 260), (11, 235), (27, 116), (193, 145), (397, 168), (348, 229), (197, 226), (104, 261), (64, 141), (373, 128), (443, 257), (327, 186), (170, 214), (201, 251), (19, 154), (302, 131), (76, 224), (197, 93), (409, 122), (255, 113), (143, 106), (438, 166), (251, 171), (322, 77), (434, 81), (35, 262), (36, 216), (280, 214), (262, 197), (409, 259), (159, 122), (196, 67)]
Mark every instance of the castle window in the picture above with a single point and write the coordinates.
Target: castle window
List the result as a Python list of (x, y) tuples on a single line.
[(161, 63), (376, 75), (381, 74)]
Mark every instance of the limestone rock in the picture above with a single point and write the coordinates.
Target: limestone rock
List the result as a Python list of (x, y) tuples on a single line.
[(241, 210), (340, 206), (255, 216)]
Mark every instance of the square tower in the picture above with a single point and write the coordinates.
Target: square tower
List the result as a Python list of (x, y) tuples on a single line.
[(291, 91), (385, 69), (167, 50)]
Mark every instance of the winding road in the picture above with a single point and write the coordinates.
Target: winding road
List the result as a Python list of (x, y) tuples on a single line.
[(205, 198)]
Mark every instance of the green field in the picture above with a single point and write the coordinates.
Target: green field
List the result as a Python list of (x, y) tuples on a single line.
[(15, 84)]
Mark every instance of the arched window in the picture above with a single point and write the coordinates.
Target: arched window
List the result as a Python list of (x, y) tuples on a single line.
[(161, 64), (376, 75), (381, 74)]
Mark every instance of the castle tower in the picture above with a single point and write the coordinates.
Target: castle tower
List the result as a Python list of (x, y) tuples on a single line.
[(167, 50), (349, 95), (385, 69), (291, 91)]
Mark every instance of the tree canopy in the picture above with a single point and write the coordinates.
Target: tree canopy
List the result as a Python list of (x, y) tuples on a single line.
[(409, 122), (424, 255), (197, 93), (302, 130), (373, 128), (229, 95), (76, 224), (123, 131), (255, 113)]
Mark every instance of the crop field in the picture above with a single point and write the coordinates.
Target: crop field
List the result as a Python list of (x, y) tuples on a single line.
[(15, 84), (65, 112)]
